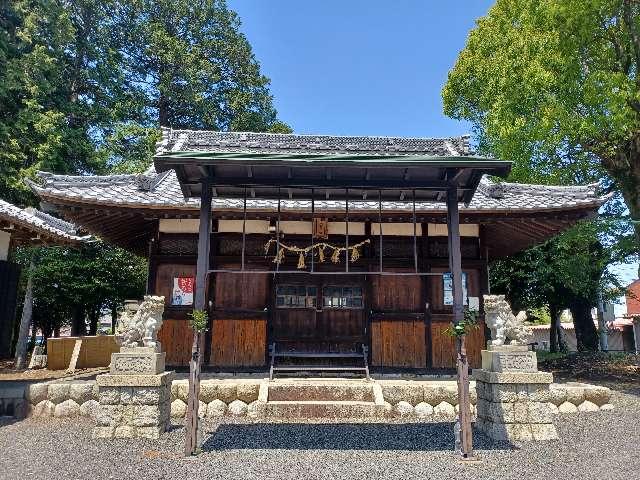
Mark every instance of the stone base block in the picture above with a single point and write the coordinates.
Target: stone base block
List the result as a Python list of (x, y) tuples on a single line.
[(125, 431), (133, 406), (517, 360), (481, 375), (517, 432), (134, 362)]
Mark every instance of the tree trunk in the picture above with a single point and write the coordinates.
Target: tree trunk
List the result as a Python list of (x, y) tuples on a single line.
[(78, 326), (586, 333), (553, 328), (25, 321), (94, 316), (562, 341), (114, 319), (163, 111), (624, 167), (602, 326)]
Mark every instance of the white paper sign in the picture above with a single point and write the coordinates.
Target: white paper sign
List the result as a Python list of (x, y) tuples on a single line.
[(182, 293)]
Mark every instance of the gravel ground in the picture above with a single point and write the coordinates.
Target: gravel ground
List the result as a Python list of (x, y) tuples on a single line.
[(602, 445)]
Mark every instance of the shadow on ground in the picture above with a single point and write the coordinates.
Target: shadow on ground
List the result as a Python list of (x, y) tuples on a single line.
[(342, 436)]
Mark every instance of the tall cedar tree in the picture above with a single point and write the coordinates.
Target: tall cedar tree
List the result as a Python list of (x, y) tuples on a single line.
[(61, 89), (84, 85), (193, 67), (554, 86)]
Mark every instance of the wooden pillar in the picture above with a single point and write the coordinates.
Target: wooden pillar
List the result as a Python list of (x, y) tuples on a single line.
[(197, 347), (462, 363)]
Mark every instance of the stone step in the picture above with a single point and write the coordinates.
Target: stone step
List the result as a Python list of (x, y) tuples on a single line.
[(12, 402), (323, 409), (351, 392)]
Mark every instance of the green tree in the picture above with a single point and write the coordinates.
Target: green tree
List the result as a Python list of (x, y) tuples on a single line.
[(567, 271), (78, 285), (554, 87), (193, 66), (63, 89)]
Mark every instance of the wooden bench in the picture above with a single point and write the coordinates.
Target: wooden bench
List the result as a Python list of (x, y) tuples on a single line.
[(275, 354)]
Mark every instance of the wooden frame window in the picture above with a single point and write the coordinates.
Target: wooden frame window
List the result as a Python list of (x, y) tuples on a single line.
[(447, 289), (296, 296), (342, 297)]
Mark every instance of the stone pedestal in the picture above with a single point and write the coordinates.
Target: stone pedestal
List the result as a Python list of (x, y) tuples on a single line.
[(135, 397), (513, 395)]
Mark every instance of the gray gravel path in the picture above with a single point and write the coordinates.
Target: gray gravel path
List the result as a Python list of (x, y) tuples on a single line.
[(603, 445)]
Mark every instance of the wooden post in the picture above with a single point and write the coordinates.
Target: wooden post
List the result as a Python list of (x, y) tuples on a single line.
[(462, 363), (202, 266), (25, 321)]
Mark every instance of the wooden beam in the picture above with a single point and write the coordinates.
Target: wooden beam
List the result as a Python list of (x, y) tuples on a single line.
[(202, 267), (462, 362)]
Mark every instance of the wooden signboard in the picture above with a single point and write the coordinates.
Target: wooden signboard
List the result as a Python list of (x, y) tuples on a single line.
[(320, 228)]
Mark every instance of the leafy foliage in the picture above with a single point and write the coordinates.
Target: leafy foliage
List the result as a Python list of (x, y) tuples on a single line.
[(553, 86), (96, 277), (469, 322), (199, 320), (84, 84)]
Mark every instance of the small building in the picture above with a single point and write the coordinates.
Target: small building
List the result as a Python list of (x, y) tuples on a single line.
[(632, 298), (26, 226), (318, 243)]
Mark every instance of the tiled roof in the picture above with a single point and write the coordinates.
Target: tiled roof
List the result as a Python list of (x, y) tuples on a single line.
[(40, 222), (163, 191), (235, 142)]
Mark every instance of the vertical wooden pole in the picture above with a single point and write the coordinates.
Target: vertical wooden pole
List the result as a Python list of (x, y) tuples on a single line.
[(462, 363), (346, 227), (202, 267), (22, 344)]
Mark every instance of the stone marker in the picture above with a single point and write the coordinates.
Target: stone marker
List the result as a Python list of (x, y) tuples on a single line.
[(135, 396), (512, 394)]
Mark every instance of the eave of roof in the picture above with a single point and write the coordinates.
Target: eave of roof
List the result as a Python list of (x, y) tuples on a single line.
[(47, 227), (162, 191), (335, 165)]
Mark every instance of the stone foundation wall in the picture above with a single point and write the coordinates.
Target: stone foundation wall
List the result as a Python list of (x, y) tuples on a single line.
[(133, 406), (425, 400), (62, 399)]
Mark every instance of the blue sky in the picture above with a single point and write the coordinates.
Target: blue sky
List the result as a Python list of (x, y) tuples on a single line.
[(360, 67), (356, 67)]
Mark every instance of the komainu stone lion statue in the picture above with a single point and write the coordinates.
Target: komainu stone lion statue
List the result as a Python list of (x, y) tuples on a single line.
[(141, 328), (505, 326)]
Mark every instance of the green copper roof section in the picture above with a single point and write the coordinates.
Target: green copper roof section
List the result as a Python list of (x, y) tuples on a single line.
[(467, 161)]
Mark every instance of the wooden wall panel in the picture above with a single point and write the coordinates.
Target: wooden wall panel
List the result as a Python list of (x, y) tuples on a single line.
[(9, 279), (444, 350), (238, 342), (95, 351), (398, 343), (436, 294), (241, 291), (399, 294), (165, 273), (176, 337)]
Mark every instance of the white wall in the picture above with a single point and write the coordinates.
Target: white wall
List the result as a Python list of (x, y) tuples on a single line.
[(5, 240)]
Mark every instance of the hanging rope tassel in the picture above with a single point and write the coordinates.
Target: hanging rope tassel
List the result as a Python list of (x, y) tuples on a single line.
[(355, 254), (335, 257), (279, 256), (301, 260), (321, 253)]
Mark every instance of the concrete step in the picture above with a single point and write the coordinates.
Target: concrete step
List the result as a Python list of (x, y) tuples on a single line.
[(343, 392), (323, 409)]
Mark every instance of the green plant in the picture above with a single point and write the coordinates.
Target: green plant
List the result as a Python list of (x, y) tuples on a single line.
[(199, 320), (468, 323)]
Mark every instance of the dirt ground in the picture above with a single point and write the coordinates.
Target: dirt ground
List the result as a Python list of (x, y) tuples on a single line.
[(618, 371), (7, 373)]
